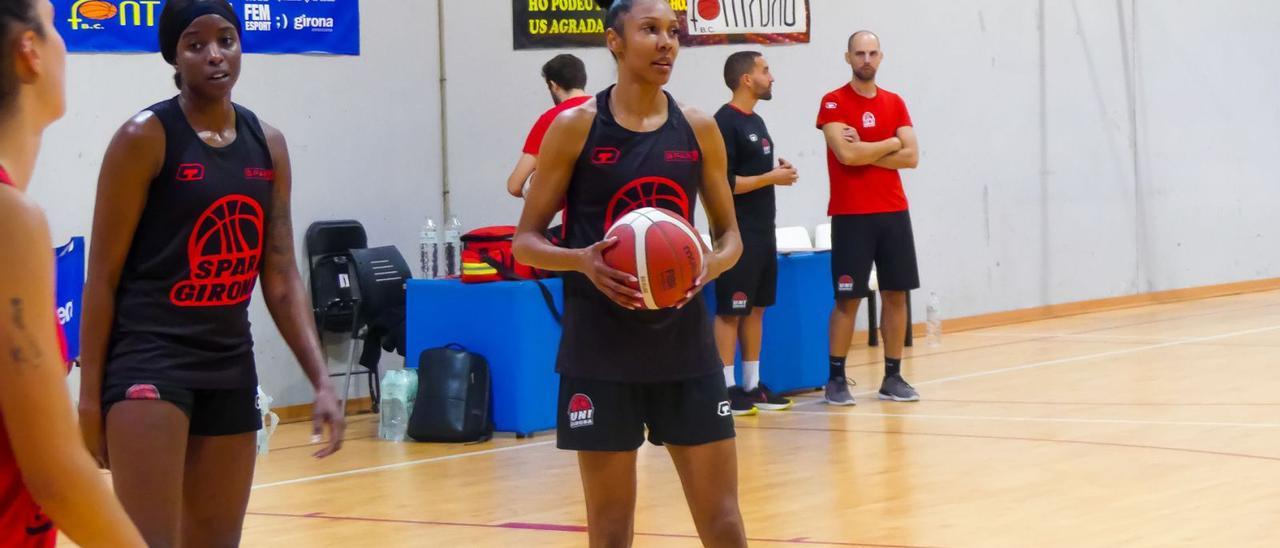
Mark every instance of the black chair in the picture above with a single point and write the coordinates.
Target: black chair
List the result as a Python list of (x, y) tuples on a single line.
[(380, 277), (329, 245), (335, 293)]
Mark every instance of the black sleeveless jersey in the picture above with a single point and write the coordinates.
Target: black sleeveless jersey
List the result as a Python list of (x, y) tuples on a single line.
[(182, 304), (618, 171)]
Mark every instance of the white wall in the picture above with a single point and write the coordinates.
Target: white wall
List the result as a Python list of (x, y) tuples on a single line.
[(1029, 191), (1071, 149), (1209, 137), (363, 136)]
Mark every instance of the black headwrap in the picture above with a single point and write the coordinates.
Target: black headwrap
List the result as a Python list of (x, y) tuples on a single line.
[(178, 15)]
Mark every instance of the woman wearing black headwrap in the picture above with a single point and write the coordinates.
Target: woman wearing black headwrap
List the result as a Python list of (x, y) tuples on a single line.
[(192, 191)]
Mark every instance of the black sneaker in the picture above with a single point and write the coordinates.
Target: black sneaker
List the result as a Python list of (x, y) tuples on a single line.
[(766, 400), (895, 388), (740, 402)]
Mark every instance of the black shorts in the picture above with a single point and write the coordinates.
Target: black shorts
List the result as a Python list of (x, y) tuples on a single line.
[(753, 282), (885, 239), (211, 412), (612, 416)]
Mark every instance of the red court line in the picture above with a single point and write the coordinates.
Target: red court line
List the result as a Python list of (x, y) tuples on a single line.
[(544, 527), (1015, 438), (558, 529)]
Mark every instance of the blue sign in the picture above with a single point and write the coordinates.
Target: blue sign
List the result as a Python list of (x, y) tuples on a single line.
[(70, 265), (270, 26)]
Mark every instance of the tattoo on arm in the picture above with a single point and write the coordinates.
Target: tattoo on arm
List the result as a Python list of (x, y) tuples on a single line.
[(280, 244), (23, 349)]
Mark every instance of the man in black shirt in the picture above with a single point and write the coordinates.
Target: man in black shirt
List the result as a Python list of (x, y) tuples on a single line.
[(748, 288)]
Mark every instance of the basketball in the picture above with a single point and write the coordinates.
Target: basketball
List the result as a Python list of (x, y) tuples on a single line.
[(661, 249), (98, 10)]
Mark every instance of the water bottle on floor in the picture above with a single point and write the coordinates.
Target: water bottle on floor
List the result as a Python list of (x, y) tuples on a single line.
[(453, 247), (429, 250), (933, 315), (269, 422), (411, 390), (393, 416)]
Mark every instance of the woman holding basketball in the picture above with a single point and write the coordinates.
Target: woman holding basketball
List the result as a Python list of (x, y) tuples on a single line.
[(192, 191), (624, 368), (45, 477)]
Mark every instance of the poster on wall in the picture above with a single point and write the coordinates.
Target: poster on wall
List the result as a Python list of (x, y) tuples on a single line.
[(269, 26), (542, 24)]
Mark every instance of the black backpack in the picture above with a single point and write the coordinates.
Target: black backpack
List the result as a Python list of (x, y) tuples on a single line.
[(454, 403)]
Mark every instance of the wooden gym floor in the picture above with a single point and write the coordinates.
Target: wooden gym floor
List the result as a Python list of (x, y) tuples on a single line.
[(1151, 426)]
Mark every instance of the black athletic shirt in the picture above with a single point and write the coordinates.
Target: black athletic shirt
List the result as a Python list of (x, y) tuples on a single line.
[(618, 171), (750, 153), (182, 305)]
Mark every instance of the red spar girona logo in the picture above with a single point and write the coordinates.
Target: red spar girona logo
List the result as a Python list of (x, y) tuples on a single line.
[(224, 252), (647, 192)]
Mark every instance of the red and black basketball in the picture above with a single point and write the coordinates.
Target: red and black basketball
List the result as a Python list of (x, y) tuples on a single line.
[(661, 249)]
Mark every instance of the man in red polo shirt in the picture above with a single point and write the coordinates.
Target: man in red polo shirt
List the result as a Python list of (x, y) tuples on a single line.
[(869, 138), (566, 78)]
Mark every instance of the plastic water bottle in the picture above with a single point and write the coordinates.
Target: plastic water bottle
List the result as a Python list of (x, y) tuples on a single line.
[(429, 250), (269, 422), (453, 247), (411, 383), (933, 317), (394, 406)]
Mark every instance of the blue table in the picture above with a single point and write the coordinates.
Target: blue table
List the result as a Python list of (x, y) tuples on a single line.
[(509, 324), (794, 352), (506, 322)]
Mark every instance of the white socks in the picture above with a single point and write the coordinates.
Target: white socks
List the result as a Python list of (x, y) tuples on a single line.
[(728, 377), (750, 375)]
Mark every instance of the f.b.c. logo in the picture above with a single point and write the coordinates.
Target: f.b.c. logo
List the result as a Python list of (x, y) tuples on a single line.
[(739, 301), (581, 411), (845, 283), (98, 15)]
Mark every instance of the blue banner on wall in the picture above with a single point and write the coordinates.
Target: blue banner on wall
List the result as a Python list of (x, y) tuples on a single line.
[(71, 291), (270, 26)]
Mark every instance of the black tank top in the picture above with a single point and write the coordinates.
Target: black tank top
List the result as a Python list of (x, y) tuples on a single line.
[(182, 304), (620, 170)]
